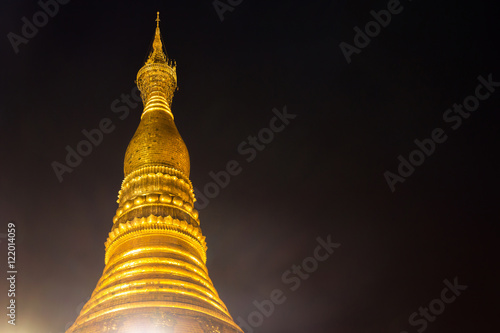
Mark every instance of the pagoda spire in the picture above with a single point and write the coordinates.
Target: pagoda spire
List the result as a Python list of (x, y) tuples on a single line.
[(157, 55), (157, 81), (155, 277)]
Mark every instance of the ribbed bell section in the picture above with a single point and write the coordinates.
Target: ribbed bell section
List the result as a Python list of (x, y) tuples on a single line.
[(155, 277), (157, 102)]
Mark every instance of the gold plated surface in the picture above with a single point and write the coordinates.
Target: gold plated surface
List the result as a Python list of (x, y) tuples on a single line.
[(157, 141), (155, 277)]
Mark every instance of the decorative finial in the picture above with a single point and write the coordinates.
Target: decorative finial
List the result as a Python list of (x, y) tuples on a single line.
[(157, 55)]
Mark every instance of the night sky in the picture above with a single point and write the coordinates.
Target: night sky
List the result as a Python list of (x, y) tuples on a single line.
[(323, 174)]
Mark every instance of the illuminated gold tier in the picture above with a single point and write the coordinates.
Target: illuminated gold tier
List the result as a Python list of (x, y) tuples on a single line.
[(155, 279)]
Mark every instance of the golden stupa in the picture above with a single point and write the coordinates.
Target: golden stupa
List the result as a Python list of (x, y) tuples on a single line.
[(155, 277)]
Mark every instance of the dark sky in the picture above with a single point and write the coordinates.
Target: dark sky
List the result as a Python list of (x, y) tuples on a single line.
[(321, 176)]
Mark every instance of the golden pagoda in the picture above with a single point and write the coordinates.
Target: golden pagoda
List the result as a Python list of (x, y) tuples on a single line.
[(155, 277)]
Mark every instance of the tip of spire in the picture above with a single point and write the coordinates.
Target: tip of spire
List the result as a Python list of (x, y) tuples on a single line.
[(157, 54)]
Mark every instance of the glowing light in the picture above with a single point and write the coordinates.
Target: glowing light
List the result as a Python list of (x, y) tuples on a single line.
[(146, 328)]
